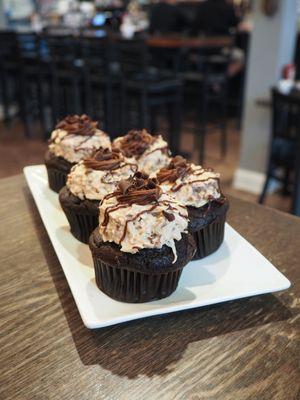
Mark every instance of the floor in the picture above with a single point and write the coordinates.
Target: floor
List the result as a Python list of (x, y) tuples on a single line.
[(16, 151)]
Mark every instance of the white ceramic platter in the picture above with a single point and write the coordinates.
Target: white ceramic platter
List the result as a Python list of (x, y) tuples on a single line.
[(235, 271)]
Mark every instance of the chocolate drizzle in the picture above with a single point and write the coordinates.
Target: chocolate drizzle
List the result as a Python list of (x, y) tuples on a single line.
[(78, 125), (105, 160), (140, 190), (136, 142), (179, 168)]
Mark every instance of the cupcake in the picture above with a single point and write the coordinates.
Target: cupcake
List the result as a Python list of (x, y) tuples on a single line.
[(89, 182), (141, 244), (150, 152), (74, 138), (199, 190)]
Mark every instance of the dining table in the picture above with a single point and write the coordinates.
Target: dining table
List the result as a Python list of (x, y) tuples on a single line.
[(242, 349), (180, 41)]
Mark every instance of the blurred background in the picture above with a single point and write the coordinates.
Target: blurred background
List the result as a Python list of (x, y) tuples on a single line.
[(218, 78)]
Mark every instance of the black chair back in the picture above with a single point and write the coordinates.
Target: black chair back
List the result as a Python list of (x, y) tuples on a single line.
[(134, 58), (29, 45), (63, 50), (96, 54), (30, 52), (285, 115), (9, 51), (285, 143)]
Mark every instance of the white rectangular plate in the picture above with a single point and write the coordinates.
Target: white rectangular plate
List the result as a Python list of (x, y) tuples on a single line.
[(235, 271)]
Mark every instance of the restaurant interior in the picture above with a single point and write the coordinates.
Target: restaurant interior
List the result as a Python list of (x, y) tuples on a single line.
[(219, 80), (179, 73)]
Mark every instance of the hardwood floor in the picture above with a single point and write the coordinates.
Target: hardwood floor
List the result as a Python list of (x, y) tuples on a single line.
[(16, 151)]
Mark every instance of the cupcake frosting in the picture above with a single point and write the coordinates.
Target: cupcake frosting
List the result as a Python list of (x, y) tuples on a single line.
[(77, 137), (189, 183), (95, 177), (150, 152), (139, 216)]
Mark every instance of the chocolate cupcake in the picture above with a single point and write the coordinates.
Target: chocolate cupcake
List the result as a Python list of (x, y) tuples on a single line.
[(74, 138), (199, 190), (141, 244), (88, 182), (150, 152)]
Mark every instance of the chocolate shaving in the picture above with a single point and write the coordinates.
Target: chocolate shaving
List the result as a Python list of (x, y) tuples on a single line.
[(170, 217), (178, 168), (136, 142), (105, 160), (138, 190), (78, 125)]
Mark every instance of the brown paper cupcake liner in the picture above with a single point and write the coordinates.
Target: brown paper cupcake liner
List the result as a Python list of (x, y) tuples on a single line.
[(134, 287), (57, 179), (209, 238), (81, 225)]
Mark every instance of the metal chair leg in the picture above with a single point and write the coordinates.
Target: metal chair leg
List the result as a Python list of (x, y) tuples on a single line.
[(296, 189)]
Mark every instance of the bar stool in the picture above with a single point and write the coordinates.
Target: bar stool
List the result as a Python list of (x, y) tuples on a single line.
[(209, 81), (99, 81), (9, 71), (152, 90), (66, 75), (32, 80)]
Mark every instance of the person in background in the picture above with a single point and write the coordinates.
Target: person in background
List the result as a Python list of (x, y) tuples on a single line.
[(215, 17), (166, 17)]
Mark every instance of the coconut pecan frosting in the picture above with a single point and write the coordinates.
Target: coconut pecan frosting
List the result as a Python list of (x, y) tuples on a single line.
[(138, 189), (78, 125), (177, 169), (191, 184), (139, 215)]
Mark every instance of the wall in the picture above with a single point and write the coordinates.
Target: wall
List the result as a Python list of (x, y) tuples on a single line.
[(272, 46)]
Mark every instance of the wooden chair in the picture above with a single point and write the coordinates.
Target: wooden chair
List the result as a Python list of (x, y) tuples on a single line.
[(100, 82), (66, 74), (284, 151), (208, 80), (32, 80), (9, 71), (152, 90)]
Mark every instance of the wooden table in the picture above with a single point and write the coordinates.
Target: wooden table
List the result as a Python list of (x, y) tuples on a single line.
[(174, 42), (244, 349)]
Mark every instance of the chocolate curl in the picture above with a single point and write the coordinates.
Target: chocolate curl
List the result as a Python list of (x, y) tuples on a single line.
[(178, 168), (78, 125), (105, 160), (136, 142), (138, 190), (170, 217)]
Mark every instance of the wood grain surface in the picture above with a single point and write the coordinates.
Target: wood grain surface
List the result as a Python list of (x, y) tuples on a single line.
[(246, 349), (189, 42)]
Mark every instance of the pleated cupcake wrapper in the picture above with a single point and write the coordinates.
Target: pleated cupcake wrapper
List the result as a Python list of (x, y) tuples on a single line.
[(81, 225), (57, 179), (209, 238), (132, 286)]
